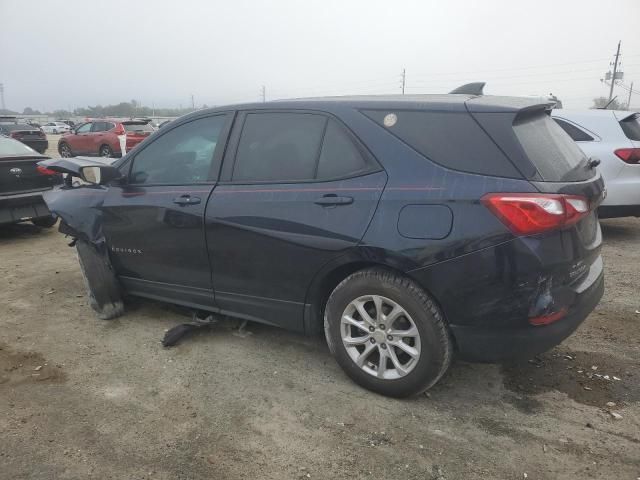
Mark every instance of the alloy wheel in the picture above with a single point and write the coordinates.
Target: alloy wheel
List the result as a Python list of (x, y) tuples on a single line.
[(380, 337), (65, 151)]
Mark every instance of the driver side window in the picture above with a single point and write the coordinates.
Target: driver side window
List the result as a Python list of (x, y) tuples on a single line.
[(181, 156), (84, 128)]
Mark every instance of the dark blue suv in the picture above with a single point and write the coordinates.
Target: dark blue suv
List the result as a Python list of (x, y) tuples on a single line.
[(408, 228)]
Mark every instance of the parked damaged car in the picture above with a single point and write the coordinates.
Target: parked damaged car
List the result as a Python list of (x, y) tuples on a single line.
[(407, 228), (22, 182)]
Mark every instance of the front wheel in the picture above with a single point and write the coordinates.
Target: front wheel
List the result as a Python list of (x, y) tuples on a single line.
[(45, 222), (65, 150), (103, 288), (106, 151), (387, 333)]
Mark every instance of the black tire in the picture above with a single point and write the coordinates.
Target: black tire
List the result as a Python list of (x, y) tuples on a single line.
[(436, 345), (65, 150), (45, 222), (105, 151), (103, 288), (55, 132)]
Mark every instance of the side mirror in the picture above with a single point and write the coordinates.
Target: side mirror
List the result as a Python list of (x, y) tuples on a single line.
[(99, 175)]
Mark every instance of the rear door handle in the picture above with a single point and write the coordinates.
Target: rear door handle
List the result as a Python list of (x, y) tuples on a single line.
[(183, 200), (331, 200)]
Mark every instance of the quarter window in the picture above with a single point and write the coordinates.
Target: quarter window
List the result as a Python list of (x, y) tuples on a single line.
[(84, 128), (339, 156), (183, 155), (574, 132)]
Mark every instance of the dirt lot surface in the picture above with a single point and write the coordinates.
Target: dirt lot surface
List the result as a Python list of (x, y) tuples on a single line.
[(83, 398)]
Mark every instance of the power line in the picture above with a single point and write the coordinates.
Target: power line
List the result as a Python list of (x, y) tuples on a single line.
[(615, 70)]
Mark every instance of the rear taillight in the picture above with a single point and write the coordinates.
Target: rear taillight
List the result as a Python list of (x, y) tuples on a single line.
[(550, 318), (45, 171), (530, 213), (41, 133), (119, 130), (15, 134), (629, 155)]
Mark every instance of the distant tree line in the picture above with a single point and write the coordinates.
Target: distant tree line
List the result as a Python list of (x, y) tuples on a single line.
[(122, 109), (602, 102)]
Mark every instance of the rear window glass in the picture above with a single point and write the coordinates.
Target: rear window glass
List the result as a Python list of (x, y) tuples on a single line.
[(137, 127), (554, 154), (18, 126), (574, 132), (451, 139), (11, 148), (631, 127)]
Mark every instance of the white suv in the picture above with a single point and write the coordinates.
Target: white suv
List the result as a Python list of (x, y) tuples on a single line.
[(613, 137)]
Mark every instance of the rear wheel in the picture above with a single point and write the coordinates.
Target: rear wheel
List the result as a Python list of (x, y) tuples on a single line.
[(65, 150), (103, 288), (105, 151), (45, 222), (387, 333)]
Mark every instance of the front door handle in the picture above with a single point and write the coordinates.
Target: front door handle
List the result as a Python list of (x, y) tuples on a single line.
[(183, 200), (332, 200)]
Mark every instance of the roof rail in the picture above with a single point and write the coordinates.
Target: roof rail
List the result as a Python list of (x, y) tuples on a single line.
[(473, 88)]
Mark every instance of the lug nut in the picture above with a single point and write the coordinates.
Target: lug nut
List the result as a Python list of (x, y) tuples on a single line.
[(372, 329), (384, 346), (389, 337), (382, 327), (372, 340)]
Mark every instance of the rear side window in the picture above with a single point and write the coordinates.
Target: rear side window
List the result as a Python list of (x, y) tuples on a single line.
[(98, 127), (278, 147), (631, 127), (289, 147), (554, 154), (137, 127), (574, 132), (451, 139)]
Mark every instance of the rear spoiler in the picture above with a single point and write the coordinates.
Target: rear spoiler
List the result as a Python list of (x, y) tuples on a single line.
[(473, 88)]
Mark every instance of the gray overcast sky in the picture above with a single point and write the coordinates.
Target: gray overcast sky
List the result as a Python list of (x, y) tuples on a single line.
[(72, 53)]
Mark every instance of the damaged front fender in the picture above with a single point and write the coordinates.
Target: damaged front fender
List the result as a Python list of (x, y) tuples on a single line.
[(79, 206)]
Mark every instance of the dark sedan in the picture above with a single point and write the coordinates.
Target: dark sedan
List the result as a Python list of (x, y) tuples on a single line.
[(28, 134), (22, 183)]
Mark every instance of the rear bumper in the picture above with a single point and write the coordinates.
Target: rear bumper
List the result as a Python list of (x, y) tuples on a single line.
[(38, 145), (494, 345), (617, 211), (21, 207)]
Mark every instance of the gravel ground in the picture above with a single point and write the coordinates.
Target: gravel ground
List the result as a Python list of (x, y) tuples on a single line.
[(82, 398)]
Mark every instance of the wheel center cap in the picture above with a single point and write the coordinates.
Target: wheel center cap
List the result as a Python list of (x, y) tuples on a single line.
[(379, 336)]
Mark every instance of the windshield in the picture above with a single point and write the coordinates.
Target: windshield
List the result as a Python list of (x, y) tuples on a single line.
[(13, 148)]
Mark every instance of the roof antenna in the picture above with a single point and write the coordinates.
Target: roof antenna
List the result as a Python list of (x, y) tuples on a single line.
[(473, 88)]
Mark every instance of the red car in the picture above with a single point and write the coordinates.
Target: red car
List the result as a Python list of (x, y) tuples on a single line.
[(104, 138)]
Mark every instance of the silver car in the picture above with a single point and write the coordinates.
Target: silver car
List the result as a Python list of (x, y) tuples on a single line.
[(55, 127), (613, 137)]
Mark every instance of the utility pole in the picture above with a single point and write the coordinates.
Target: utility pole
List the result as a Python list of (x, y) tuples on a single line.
[(615, 70), (2, 96), (193, 103), (630, 92), (263, 92), (404, 79)]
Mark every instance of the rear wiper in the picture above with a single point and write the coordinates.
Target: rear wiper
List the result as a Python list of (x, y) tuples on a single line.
[(593, 162)]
